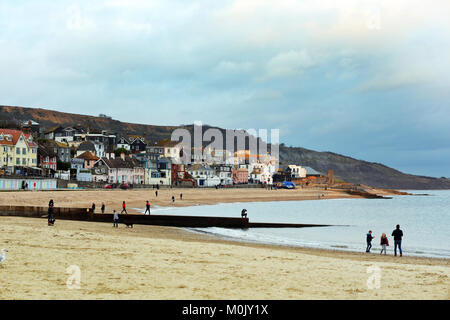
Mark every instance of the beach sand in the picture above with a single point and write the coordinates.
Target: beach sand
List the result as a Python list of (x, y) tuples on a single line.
[(149, 262), (136, 198)]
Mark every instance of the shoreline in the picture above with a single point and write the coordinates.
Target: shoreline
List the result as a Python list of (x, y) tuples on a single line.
[(230, 239), (149, 262)]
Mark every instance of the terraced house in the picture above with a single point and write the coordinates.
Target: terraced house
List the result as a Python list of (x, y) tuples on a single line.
[(17, 149)]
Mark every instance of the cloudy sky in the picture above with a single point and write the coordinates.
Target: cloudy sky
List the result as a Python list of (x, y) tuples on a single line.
[(368, 79)]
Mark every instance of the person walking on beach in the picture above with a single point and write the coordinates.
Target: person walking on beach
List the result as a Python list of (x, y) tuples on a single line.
[(181, 196), (103, 207), (397, 234), (147, 208), (369, 241), (93, 207), (124, 208), (384, 242), (156, 193), (173, 199), (115, 220), (51, 217)]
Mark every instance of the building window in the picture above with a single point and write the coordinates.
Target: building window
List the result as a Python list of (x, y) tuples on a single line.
[(17, 150), (24, 151), (18, 161), (24, 161)]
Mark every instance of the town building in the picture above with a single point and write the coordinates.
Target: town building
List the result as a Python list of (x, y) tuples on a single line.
[(123, 143), (47, 157), (123, 169), (17, 149), (204, 175), (158, 172), (224, 172), (89, 159), (240, 175), (138, 145)]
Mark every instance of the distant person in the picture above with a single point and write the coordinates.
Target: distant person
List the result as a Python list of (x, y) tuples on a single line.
[(156, 193), (384, 242), (173, 199), (397, 234), (181, 196), (51, 213), (244, 213), (103, 207), (369, 239), (147, 207), (124, 208), (115, 220), (93, 207)]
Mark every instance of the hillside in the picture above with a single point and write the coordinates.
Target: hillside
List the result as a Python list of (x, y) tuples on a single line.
[(345, 168), (358, 171)]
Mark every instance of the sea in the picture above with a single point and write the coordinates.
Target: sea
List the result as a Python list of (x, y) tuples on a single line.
[(424, 219)]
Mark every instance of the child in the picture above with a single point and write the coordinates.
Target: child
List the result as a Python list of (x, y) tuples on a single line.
[(116, 220), (124, 208), (384, 242), (369, 241), (147, 208)]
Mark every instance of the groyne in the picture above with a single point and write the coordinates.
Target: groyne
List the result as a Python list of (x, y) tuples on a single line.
[(85, 214)]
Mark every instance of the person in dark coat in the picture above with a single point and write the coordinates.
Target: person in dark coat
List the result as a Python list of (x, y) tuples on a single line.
[(369, 241), (51, 212), (397, 234)]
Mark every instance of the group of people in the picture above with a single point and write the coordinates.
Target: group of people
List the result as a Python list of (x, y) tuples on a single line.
[(384, 242)]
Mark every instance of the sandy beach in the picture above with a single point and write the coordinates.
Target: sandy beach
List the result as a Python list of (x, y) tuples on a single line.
[(136, 198), (149, 262)]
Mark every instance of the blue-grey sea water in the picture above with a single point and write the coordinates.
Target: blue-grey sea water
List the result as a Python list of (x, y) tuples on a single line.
[(425, 221)]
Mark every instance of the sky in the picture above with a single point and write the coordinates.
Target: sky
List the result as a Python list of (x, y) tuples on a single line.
[(367, 79)]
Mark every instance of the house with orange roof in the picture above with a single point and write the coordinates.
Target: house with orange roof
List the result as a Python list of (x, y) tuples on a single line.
[(89, 159)]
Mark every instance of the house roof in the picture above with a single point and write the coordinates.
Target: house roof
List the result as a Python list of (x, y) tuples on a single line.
[(88, 156), (311, 171), (15, 136), (167, 143), (125, 140), (86, 146), (46, 151), (62, 145), (120, 163)]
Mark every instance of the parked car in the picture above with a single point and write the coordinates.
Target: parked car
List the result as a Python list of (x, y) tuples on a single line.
[(108, 186), (288, 185), (124, 186)]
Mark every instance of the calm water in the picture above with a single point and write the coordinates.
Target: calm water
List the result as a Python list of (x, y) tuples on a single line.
[(425, 222)]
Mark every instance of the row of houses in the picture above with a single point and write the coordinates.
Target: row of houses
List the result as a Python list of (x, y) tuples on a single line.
[(102, 156)]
